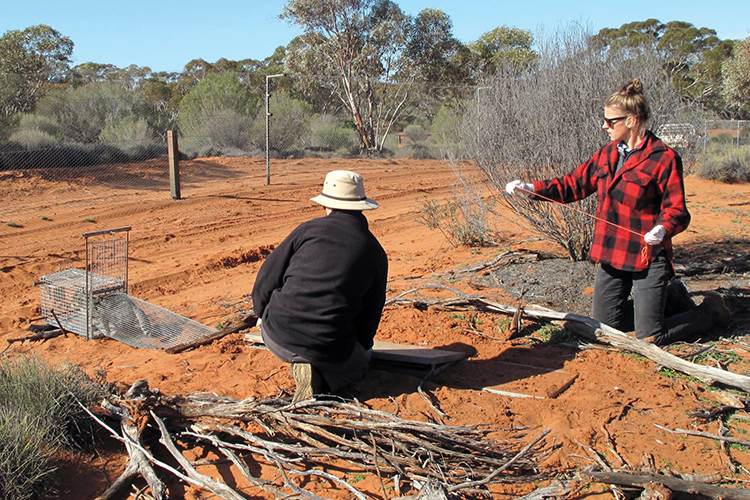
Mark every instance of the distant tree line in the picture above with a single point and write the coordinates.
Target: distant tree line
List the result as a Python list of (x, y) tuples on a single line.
[(361, 71)]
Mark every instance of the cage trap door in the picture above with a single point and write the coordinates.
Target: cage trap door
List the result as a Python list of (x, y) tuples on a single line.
[(106, 268)]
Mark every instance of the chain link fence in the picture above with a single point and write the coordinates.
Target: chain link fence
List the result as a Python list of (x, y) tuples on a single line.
[(728, 132), (81, 146)]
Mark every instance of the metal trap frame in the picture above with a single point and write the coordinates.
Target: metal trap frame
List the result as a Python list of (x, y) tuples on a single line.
[(94, 302), (68, 296)]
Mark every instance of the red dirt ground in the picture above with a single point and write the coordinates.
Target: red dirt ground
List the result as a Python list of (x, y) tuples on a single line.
[(199, 256)]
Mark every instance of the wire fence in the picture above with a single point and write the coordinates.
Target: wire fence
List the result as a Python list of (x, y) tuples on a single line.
[(728, 132), (82, 146)]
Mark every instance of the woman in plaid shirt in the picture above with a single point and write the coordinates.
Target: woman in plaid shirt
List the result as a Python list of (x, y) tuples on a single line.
[(639, 184)]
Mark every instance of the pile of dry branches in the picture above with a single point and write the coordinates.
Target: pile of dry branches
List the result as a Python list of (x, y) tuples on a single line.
[(312, 438)]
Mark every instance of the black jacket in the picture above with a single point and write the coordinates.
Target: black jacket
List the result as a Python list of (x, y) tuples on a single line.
[(323, 288)]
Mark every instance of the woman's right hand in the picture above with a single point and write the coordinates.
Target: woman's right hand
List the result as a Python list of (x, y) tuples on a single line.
[(517, 185)]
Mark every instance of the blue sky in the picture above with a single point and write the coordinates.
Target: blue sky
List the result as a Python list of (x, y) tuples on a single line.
[(167, 35)]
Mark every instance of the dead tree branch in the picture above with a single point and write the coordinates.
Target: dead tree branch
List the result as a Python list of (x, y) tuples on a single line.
[(314, 438), (217, 488), (673, 483), (138, 464), (706, 435)]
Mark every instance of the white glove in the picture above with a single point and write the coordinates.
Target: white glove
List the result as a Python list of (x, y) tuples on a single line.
[(517, 185), (656, 235)]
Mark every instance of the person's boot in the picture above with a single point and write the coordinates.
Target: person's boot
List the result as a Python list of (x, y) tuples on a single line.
[(302, 373), (719, 311)]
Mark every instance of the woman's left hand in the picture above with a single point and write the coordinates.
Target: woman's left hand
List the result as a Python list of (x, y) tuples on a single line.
[(656, 235)]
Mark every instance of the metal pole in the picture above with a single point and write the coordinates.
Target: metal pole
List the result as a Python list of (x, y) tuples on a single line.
[(268, 127)]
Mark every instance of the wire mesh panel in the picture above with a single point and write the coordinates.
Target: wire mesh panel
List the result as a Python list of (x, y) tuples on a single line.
[(64, 297), (108, 257), (141, 324)]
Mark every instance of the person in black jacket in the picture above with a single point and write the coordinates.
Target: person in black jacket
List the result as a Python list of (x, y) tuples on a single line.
[(320, 294)]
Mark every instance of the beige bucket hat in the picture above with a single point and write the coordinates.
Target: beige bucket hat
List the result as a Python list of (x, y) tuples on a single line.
[(344, 190)]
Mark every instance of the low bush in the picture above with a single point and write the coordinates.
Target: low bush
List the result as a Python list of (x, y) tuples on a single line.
[(453, 221), (33, 139), (39, 413), (418, 151), (724, 163), (25, 459), (327, 133), (416, 133)]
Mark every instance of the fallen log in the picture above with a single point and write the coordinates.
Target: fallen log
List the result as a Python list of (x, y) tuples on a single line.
[(673, 483), (587, 327)]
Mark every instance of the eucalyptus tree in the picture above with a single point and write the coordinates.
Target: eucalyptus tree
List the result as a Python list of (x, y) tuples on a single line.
[(502, 46), (357, 45), (29, 60), (692, 56)]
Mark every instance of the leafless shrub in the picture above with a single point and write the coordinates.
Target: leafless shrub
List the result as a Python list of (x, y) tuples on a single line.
[(543, 123), (457, 219)]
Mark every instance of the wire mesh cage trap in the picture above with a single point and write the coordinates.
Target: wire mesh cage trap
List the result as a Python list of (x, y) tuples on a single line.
[(94, 302), (68, 296)]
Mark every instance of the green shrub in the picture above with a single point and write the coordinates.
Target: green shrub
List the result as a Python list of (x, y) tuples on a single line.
[(29, 387), (33, 139), (38, 415), (218, 112), (82, 113), (127, 133), (25, 460), (416, 133), (40, 123), (446, 126), (724, 163), (328, 133), (418, 151)]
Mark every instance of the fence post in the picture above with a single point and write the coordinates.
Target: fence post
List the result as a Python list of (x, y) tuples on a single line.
[(268, 126), (174, 164)]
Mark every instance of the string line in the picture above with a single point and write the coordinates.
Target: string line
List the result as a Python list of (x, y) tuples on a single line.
[(571, 207)]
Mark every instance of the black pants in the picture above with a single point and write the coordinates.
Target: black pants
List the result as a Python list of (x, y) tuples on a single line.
[(336, 375), (645, 313)]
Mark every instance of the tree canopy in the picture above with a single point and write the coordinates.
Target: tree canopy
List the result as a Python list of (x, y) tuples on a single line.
[(29, 59), (359, 45), (693, 56)]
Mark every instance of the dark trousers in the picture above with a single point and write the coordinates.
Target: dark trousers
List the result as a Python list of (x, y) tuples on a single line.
[(645, 313), (336, 375)]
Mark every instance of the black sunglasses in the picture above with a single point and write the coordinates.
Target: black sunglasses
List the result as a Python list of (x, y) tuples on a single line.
[(611, 121)]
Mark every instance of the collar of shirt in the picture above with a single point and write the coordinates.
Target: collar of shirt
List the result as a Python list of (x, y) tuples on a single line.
[(624, 150)]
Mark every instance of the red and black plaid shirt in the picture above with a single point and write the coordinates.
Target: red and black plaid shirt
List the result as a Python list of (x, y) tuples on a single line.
[(646, 191)]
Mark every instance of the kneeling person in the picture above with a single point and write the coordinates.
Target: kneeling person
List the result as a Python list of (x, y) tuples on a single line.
[(320, 293)]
